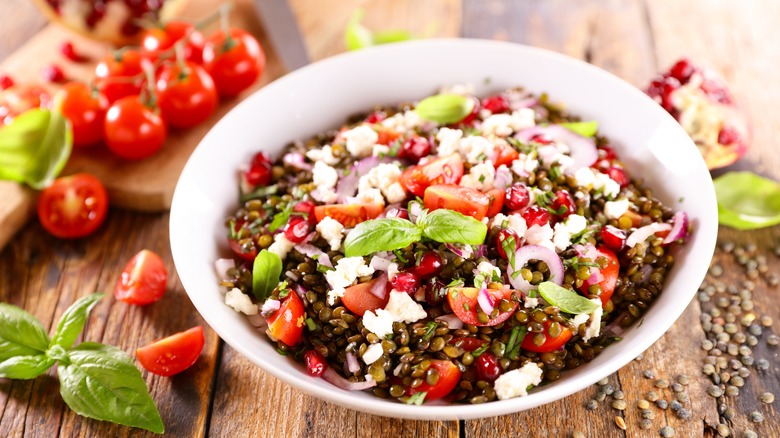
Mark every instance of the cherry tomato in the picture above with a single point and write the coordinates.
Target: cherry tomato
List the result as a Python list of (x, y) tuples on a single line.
[(132, 130), (240, 239), (160, 39), (386, 136), (286, 324), (235, 61), (73, 206), (348, 214), (496, 199), (444, 170), (550, 343), (449, 376), (86, 110), (118, 74), (468, 344), (464, 200), (143, 280), (17, 99), (187, 95), (505, 154), (359, 299), (610, 274), (463, 301), (173, 354)]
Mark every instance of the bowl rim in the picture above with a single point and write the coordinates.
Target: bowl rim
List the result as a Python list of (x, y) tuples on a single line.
[(450, 411)]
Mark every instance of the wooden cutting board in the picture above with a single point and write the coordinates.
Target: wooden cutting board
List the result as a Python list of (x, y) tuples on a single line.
[(148, 185)]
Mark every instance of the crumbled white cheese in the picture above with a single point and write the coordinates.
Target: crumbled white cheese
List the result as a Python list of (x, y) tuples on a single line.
[(515, 383), (540, 235), (402, 122), (380, 150), (395, 192), (281, 246), (449, 141), (370, 196), (325, 155), (607, 185), (555, 154), (579, 319), (385, 178), (372, 353), (503, 125), (332, 231), (523, 118), (379, 323), (360, 140), (403, 308), (324, 176), (530, 303), (498, 220), (615, 209), (594, 326), (488, 270), (584, 177), (347, 270), (563, 232), (524, 165), (240, 302), (477, 149), (325, 195), (480, 177), (392, 270), (517, 224)]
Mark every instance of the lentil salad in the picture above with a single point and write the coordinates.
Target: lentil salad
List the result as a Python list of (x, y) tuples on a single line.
[(453, 248)]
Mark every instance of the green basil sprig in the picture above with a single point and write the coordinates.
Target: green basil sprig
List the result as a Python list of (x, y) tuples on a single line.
[(747, 201), (388, 234), (566, 300), (445, 108), (585, 129), (96, 381), (266, 270)]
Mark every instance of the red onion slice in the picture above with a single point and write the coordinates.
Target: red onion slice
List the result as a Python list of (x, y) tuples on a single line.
[(460, 250), (297, 161), (453, 322), (299, 290), (527, 102), (480, 251), (590, 251), (415, 209), (352, 363), (270, 306), (485, 301), (641, 234), (332, 376), (535, 252), (379, 288), (582, 149), (679, 227), (222, 266), (380, 263)]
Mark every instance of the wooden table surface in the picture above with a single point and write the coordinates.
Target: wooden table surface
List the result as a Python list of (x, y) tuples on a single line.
[(225, 395)]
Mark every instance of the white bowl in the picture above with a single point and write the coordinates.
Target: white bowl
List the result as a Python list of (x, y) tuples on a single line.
[(321, 96)]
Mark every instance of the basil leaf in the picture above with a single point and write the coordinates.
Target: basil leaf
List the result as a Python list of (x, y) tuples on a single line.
[(445, 108), (357, 36), (281, 218), (585, 129), (35, 146), (100, 381), (392, 36), (448, 226), (380, 235), (20, 333), (566, 300), (747, 201), (25, 367), (73, 320), (266, 272)]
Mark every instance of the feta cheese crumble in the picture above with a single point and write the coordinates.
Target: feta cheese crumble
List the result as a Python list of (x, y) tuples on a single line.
[(403, 308), (332, 231), (240, 302), (515, 383), (593, 320), (540, 235), (372, 353), (379, 323), (517, 224), (588, 178), (449, 141), (325, 155), (385, 178), (360, 140), (615, 209), (370, 196), (480, 177), (524, 165), (503, 125), (347, 270), (402, 122), (564, 231), (281, 246)]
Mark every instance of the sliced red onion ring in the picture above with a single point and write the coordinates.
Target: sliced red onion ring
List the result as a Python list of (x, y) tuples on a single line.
[(332, 376), (535, 252), (679, 227), (352, 363), (460, 250), (297, 161), (222, 266), (379, 288), (292, 276), (380, 263), (270, 306), (583, 150), (485, 301), (324, 260), (299, 290), (313, 252), (641, 234), (453, 322), (415, 209), (480, 251)]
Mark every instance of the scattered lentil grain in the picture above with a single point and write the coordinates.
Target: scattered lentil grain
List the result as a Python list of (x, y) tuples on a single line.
[(684, 414), (661, 383), (662, 404), (620, 405), (592, 405), (756, 417), (749, 434), (647, 414), (714, 391), (645, 424), (723, 430), (652, 396), (728, 414), (762, 364), (644, 404), (767, 398), (666, 432), (648, 374), (618, 395), (683, 379), (773, 339), (732, 391), (676, 387)]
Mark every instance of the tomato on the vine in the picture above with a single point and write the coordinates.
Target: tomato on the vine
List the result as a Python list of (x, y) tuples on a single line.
[(85, 108), (132, 130), (160, 39), (73, 206), (234, 60), (118, 75), (186, 94)]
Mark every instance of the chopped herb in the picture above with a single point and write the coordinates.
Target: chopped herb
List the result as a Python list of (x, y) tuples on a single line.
[(482, 178), (281, 218), (516, 274), (455, 294), (482, 157), (430, 329), (516, 337), (395, 148), (260, 192), (312, 325), (282, 352), (478, 352), (283, 290), (555, 172), (323, 269), (582, 237), (575, 263), (533, 293), (509, 246), (466, 307), (417, 398), (544, 199), (457, 282), (470, 131), (400, 256), (232, 232), (681, 199)]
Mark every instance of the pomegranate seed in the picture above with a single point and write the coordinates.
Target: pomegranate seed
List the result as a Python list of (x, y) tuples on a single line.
[(563, 204), (67, 50), (619, 175), (669, 86), (541, 139), (682, 70), (415, 148), (496, 104), (502, 236), (405, 282), (376, 117), (613, 237), (469, 119), (6, 81), (307, 208), (487, 367), (297, 229), (536, 215), (607, 153), (397, 212), (430, 264), (259, 173), (435, 291), (728, 135), (517, 196), (315, 363), (53, 73), (716, 91)]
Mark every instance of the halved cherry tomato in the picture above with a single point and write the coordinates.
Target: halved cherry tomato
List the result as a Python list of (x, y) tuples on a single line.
[(234, 61), (73, 206), (187, 94), (17, 99), (386, 135), (444, 170), (160, 39), (132, 130), (173, 354), (85, 109), (348, 214), (464, 200), (505, 154), (610, 274), (449, 376), (359, 299), (550, 343), (496, 198), (463, 301), (286, 324), (143, 280), (240, 239), (118, 74)]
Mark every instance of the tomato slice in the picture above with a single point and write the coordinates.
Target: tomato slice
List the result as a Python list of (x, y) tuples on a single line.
[(143, 280), (73, 206), (359, 299), (496, 198), (173, 354), (286, 324), (610, 274), (505, 154), (449, 376), (386, 135), (463, 301), (348, 214), (464, 200), (444, 170), (550, 343)]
